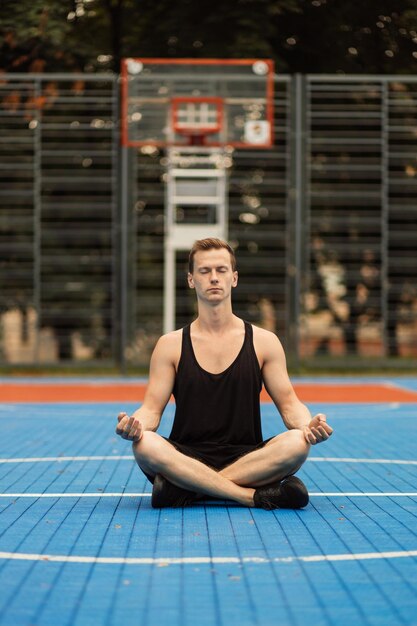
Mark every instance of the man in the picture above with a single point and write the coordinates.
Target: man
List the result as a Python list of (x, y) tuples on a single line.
[(215, 368)]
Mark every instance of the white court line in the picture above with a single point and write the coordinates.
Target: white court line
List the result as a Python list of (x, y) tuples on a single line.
[(201, 560), (59, 459), (315, 459), (371, 494), (77, 495), (329, 459), (314, 494)]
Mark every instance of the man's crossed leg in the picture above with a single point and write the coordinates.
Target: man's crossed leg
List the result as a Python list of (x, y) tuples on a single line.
[(262, 478)]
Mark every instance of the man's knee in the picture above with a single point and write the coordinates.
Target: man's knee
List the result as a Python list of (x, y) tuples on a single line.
[(151, 451), (296, 436), (298, 447), (292, 448)]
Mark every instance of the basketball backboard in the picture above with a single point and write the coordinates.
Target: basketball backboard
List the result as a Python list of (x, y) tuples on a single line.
[(210, 102)]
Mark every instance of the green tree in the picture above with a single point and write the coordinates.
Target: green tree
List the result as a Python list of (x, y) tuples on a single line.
[(301, 35)]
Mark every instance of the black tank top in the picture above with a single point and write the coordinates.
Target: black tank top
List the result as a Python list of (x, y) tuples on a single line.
[(216, 413)]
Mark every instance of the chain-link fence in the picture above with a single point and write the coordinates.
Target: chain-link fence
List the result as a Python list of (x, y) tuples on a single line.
[(58, 217), (360, 296), (324, 224)]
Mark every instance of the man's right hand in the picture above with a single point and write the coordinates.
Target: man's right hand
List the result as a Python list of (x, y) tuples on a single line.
[(129, 428)]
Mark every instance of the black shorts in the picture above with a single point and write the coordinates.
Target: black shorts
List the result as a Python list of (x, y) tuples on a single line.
[(216, 456)]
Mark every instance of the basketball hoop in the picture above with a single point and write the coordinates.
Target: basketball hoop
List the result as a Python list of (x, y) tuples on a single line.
[(209, 103), (197, 117), (199, 110)]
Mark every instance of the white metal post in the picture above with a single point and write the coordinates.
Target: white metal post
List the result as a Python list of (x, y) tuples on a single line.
[(196, 176)]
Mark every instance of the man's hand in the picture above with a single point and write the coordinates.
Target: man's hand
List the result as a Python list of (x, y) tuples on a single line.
[(317, 430), (129, 428)]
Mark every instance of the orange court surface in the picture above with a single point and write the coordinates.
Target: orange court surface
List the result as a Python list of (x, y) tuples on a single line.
[(112, 390)]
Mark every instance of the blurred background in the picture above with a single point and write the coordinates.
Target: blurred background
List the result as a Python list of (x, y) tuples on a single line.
[(324, 224)]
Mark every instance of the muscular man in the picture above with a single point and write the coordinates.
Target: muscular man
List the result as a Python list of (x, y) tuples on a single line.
[(215, 368)]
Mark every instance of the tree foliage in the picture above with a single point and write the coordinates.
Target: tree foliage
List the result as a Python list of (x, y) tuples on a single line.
[(301, 35)]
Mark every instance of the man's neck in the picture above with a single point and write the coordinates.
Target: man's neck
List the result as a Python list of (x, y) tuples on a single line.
[(215, 319)]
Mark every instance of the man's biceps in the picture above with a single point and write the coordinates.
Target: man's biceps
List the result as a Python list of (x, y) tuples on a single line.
[(275, 370), (162, 372), (163, 383), (272, 375)]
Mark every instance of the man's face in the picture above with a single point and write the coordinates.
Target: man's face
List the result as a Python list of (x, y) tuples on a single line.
[(212, 277)]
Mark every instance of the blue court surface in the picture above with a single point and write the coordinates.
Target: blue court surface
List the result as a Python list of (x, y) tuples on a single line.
[(81, 545)]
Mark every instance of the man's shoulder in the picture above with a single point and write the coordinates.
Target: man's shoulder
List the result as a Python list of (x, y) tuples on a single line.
[(170, 340), (263, 334), (265, 341), (168, 348)]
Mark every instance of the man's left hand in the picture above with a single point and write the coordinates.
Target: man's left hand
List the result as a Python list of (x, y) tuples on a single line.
[(317, 430)]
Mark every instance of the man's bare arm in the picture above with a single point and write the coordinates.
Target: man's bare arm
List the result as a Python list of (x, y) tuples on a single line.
[(158, 392), (294, 413)]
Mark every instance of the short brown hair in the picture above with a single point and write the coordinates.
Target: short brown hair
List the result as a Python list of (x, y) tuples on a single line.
[(209, 244)]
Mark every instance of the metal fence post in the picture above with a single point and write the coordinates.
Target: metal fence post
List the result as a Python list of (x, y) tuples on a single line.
[(37, 213), (384, 217), (116, 186), (297, 204), (124, 210)]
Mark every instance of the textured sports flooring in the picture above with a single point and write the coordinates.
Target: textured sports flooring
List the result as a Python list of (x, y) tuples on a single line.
[(81, 545)]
